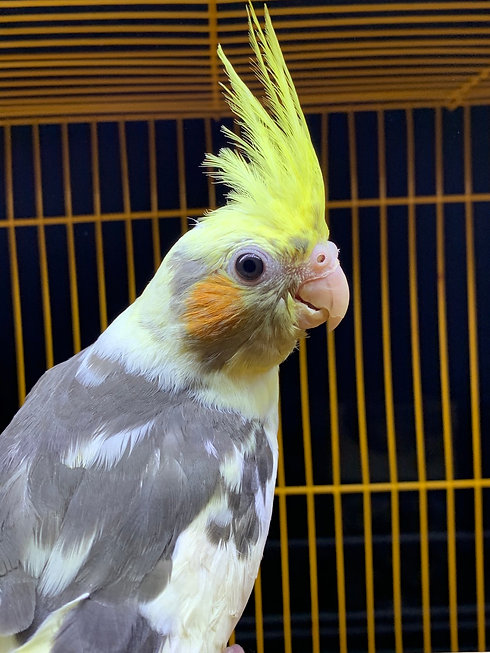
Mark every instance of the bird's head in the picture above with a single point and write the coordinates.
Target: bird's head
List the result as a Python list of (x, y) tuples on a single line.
[(249, 279)]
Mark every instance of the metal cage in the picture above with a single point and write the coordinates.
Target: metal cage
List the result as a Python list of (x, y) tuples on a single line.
[(381, 525)]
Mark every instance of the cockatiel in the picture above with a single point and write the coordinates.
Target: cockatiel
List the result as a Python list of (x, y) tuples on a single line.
[(137, 480)]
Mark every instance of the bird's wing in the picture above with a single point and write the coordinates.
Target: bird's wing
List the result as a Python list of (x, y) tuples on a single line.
[(100, 472), (45, 636)]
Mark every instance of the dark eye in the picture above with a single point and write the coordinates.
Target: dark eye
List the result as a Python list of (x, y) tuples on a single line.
[(249, 266)]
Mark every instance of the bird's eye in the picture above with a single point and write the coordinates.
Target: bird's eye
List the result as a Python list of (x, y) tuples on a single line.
[(249, 266)]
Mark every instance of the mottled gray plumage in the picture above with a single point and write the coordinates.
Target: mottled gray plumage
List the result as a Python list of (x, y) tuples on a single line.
[(133, 503), (96, 627)]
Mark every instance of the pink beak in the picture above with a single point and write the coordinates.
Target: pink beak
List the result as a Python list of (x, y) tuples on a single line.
[(324, 294)]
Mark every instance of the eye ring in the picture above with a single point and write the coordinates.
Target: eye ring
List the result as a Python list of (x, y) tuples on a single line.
[(249, 266)]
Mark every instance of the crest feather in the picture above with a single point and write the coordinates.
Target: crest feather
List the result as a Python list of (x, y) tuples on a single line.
[(273, 172)]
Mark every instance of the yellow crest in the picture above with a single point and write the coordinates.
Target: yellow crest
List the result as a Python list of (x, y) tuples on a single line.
[(274, 174)]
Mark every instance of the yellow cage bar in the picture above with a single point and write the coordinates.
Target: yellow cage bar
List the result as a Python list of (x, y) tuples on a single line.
[(380, 535)]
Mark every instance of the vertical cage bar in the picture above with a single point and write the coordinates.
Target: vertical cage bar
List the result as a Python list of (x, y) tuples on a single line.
[(474, 380), (360, 387), (70, 238), (99, 243), (155, 232), (388, 386), (337, 497), (284, 544), (128, 227), (259, 617), (310, 497), (445, 387), (181, 171), (41, 240), (335, 434), (417, 385), (14, 268)]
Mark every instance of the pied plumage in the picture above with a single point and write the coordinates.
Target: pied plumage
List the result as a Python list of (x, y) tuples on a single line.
[(136, 482)]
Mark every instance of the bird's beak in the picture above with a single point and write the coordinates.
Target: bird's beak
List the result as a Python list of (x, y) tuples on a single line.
[(323, 296)]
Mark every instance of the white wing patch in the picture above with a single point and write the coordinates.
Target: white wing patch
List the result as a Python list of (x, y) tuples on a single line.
[(219, 513), (63, 565), (106, 450), (231, 469), (35, 557), (88, 375)]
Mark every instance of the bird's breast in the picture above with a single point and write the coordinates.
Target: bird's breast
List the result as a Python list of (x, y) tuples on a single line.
[(216, 558)]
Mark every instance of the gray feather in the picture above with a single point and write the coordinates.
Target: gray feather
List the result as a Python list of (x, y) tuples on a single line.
[(94, 627), (133, 504), (17, 601)]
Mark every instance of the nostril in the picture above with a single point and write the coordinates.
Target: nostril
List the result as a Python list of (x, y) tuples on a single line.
[(324, 258)]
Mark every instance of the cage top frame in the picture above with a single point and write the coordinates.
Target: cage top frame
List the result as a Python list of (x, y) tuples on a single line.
[(77, 59)]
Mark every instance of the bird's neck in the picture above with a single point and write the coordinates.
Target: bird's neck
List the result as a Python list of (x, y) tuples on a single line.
[(144, 351)]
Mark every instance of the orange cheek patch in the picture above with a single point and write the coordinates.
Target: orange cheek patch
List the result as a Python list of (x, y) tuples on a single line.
[(213, 308)]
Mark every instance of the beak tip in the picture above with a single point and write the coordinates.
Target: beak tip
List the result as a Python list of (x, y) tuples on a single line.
[(333, 323)]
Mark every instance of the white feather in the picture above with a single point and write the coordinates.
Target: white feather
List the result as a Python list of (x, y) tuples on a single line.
[(224, 583), (231, 469), (210, 449), (183, 608), (35, 556), (88, 375), (104, 449), (63, 565)]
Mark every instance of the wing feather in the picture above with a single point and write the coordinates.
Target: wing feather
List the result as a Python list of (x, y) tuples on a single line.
[(73, 520)]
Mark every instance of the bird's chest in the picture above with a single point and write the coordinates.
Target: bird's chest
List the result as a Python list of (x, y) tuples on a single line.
[(216, 558)]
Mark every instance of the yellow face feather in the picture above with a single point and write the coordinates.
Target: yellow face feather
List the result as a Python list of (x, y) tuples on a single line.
[(274, 174)]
